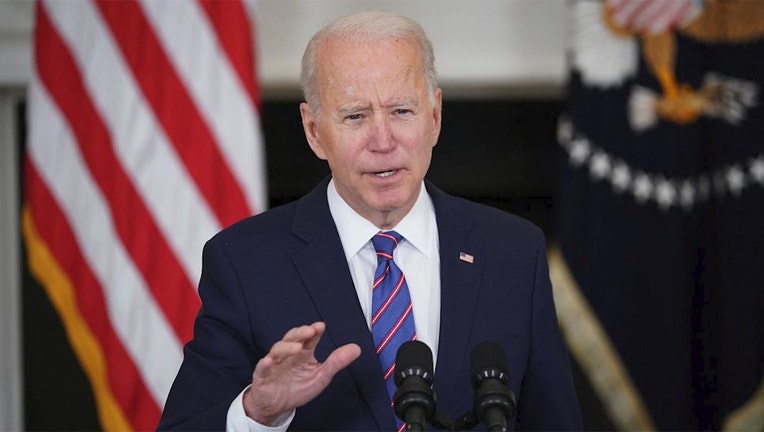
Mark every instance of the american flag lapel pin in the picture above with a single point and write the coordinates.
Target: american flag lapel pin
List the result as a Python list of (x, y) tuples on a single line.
[(466, 257)]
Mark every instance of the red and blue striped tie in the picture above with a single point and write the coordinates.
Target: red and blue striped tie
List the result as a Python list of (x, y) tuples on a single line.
[(392, 320)]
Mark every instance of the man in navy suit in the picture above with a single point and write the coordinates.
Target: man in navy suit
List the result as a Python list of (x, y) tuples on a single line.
[(283, 337)]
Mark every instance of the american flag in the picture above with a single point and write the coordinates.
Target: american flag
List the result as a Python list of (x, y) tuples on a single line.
[(144, 140), (653, 16)]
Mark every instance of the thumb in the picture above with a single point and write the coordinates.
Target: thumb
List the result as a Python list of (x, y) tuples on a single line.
[(340, 359)]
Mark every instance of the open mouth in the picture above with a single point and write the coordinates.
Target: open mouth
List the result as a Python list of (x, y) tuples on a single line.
[(385, 173)]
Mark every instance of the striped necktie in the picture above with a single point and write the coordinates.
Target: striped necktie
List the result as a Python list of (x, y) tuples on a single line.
[(392, 320)]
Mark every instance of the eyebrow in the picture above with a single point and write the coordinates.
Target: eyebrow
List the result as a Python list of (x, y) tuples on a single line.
[(352, 109), (403, 103)]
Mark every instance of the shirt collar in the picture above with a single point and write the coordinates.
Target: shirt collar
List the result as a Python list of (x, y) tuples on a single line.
[(417, 227)]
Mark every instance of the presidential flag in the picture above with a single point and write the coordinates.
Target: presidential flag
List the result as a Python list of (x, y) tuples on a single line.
[(143, 141), (659, 272)]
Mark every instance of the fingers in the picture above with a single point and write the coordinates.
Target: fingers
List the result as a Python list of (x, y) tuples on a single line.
[(319, 328), (297, 341), (303, 333), (298, 347)]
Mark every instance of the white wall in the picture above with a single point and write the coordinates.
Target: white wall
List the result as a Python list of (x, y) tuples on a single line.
[(486, 46), (15, 32), (496, 45), (483, 48)]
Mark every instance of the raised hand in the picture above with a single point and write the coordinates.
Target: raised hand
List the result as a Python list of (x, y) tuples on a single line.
[(290, 376)]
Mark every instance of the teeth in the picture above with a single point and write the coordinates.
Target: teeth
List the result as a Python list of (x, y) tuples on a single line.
[(385, 173)]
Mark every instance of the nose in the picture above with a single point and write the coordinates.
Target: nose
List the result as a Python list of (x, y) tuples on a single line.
[(381, 134)]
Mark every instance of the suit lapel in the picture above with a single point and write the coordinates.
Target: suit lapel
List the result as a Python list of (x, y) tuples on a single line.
[(330, 286), (459, 287), (324, 271)]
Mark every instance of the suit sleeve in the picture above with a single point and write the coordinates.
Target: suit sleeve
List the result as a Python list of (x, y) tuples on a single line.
[(548, 400), (219, 361)]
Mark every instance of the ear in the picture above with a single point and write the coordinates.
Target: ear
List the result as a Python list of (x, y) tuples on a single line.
[(310, 126), (437, 113)]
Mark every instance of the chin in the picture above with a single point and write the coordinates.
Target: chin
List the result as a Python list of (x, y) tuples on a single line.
[(388, 202), (384, 205)]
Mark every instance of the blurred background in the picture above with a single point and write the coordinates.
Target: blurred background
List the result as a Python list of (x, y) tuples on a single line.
[(630, 131)]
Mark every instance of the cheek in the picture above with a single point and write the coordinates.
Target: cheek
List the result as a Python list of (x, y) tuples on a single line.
[(420, 142), (420, 129), (343, 156)]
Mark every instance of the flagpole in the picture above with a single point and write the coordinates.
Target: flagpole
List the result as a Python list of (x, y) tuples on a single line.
[(11, 405)]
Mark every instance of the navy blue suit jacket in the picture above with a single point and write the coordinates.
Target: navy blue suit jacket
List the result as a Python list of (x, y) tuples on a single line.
[(286, 267)]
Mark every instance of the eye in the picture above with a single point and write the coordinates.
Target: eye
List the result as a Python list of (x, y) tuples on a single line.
[(402, 111), (353, 117)]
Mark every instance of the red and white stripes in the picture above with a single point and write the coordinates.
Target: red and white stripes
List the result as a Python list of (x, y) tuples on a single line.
[(653, 16), (144, 140)]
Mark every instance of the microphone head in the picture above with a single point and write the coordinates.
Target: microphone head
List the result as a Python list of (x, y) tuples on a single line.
[(413, 358), (488, 360)]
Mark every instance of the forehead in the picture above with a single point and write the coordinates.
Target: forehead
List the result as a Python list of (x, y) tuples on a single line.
[(349, 67)]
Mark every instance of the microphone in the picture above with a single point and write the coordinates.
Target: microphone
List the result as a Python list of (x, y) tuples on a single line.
[(494, 401), (414, 401)]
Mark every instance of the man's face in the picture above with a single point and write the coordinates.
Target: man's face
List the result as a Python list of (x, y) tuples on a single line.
[(377, 125)]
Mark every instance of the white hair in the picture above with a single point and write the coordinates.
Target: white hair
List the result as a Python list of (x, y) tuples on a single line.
[(365, 27)]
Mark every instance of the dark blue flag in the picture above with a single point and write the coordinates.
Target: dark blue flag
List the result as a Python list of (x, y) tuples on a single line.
[(661, 211)]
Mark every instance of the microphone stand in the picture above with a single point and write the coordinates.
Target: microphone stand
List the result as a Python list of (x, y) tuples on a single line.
[(440, 421), (467, 421)]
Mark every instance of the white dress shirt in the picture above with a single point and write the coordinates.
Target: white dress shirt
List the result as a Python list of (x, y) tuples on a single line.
[(418, 256)]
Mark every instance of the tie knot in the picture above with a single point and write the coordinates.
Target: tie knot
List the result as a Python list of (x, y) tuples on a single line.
[(385, 242)]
